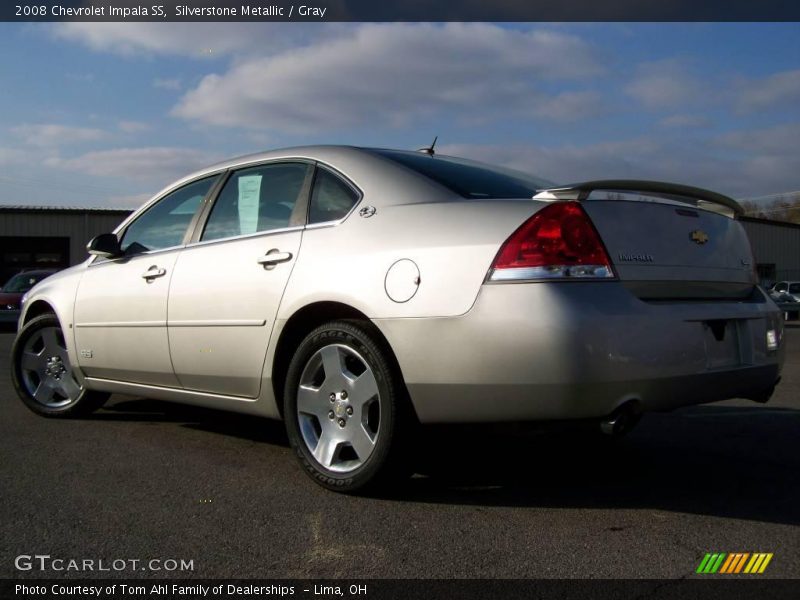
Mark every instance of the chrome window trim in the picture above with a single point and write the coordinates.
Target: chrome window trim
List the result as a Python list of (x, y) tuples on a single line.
[(313, 161), (122, 227), (199, 225), (265, 161), (315, 164), (245, 236), (325, 224), (94, 263), (224, 174), (160, 196)]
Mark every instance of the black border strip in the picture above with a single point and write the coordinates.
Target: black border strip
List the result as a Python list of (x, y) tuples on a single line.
[(408, 10), (709, 587)]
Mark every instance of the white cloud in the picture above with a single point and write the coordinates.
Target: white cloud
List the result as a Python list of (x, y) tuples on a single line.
[(665, 84), (781, 140), (158, 165), (777, 89), (202, 40), (10, 156), (571, 106), (394, 74), (133, 126), (686, 122), (761, 170), (670, 84), (364, 77), (52, 134)]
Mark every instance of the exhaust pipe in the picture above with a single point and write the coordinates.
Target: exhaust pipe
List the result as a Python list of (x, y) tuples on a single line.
[(622, 420)]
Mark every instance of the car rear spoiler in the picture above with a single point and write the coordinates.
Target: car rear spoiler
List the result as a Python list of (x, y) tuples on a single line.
[(685, 194)]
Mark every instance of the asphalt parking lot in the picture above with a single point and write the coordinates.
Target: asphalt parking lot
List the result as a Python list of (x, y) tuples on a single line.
[(143, 479)]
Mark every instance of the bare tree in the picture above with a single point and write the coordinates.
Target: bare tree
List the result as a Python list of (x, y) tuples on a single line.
[(785, 207)]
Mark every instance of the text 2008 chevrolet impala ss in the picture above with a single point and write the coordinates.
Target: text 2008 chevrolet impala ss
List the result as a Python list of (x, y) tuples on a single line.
[(356, 292)]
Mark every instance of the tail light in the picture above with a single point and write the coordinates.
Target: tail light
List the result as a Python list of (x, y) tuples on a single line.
[(558, 242)]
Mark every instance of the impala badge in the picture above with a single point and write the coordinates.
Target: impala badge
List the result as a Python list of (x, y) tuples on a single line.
[(639, 257), (698, 236)]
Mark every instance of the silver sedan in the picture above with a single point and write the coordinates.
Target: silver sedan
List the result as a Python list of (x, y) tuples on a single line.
[(356, 293)]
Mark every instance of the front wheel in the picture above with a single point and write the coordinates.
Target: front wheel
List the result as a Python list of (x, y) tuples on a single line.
[(345, 407), (42, 372)]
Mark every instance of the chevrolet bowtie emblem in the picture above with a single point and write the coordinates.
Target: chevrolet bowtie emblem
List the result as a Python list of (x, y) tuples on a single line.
[(698, 236)]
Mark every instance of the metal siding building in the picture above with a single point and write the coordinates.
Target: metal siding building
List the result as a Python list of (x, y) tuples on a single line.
[(776, 247), (49, 237)]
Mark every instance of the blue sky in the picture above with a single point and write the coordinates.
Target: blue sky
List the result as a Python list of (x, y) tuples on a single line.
[(105, 114)]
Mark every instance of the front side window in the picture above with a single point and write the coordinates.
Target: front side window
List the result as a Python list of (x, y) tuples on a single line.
[(165, 223), (794, 288), (256, 199), (331, 199)]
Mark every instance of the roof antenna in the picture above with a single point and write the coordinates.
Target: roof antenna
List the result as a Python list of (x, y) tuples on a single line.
[(429, 149)]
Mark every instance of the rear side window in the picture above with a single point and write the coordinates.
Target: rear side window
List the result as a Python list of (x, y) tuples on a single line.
[(257, 199), (164, 224), (467, 178), (331, 199)]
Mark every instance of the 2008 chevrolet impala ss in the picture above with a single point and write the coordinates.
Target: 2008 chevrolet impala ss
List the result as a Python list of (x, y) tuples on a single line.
[(356, 292)]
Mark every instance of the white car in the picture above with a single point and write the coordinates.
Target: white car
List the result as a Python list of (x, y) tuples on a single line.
[(787, 287), (355, 292)]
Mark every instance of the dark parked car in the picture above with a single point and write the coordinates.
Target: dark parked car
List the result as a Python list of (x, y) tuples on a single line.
[(15, 288)]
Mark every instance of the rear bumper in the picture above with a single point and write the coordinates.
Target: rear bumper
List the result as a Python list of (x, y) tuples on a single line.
[(579, 350)]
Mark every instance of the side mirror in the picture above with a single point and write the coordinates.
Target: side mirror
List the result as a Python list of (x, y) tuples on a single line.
[(105, 245)]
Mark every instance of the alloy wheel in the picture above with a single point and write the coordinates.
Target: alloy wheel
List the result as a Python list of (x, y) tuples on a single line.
[(338, 408), (46, 369)]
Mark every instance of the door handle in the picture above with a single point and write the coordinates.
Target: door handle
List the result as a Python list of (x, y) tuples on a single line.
[(274, 257), (153, 272)]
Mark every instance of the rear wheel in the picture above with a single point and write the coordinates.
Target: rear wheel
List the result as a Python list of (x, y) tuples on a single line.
[(345, 408), (42, 372)]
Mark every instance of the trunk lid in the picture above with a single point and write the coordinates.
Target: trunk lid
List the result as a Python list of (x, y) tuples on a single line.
[(668, 241), (674, 251)]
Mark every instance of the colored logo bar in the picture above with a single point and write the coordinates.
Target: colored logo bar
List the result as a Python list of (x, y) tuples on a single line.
[(734, 562)]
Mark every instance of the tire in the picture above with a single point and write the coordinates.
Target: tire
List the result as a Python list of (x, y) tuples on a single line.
[(346, 410), (42, 372)]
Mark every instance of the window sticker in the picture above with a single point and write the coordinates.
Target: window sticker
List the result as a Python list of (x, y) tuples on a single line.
[(249, 195)]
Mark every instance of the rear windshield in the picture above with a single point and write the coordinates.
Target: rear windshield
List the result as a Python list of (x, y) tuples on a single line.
[(468, 178)]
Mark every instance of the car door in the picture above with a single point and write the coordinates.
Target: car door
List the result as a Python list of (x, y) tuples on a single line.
[(121, 304), (229, 281)]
